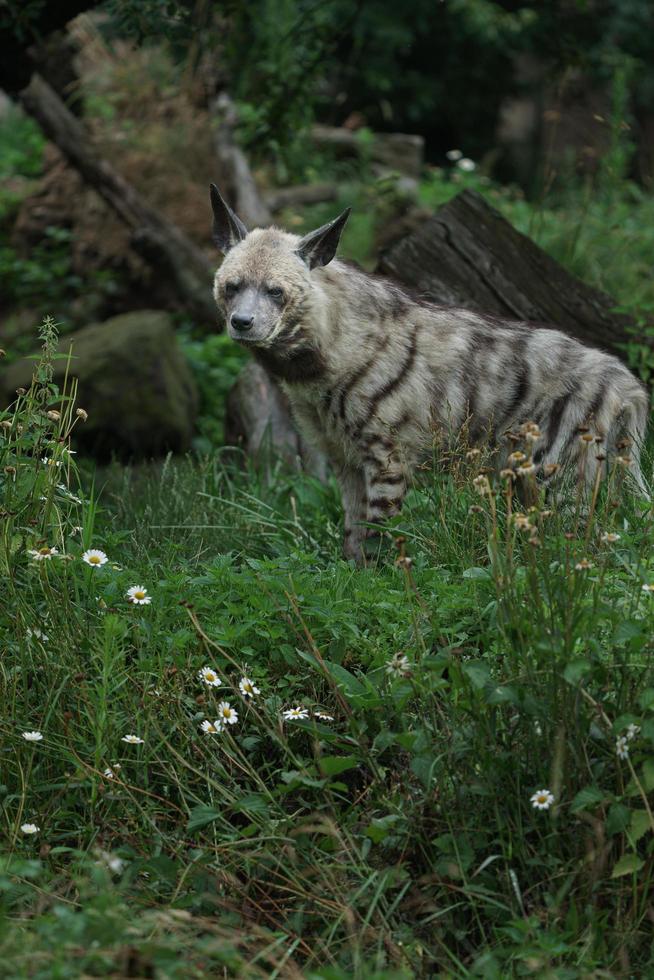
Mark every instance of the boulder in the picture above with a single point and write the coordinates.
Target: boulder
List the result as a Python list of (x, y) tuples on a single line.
[(132, 380)]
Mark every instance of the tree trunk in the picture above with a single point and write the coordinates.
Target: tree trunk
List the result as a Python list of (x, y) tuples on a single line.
[(161, 243), (237, 185), (468, 255)]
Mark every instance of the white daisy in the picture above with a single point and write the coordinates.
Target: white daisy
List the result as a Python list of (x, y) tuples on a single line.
[(525, 469), (40, 554), (621, 747), (542, 799), (398, 666), (609, 537), (212, 727), (466, 165), (33, 736), (48, 461), (247, 688), (209, 676), (138, 595), (30, 828), (132, 739), (94, 557), (323, 716), (583, 565), (632, 731), (291, 714), (454, 155), (36, 634), (226, 714), (112, 771), (114, 863)]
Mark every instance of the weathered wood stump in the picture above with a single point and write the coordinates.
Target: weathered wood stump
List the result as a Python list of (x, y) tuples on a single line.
[(468, 255)]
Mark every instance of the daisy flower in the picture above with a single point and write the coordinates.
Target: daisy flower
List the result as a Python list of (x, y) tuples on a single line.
[(94, 557), (48, 461), (609, 537), (454, 155), (526, 469), (291, 714), (132, 739), (226, 714), (112, 771), (138, 595), (209, 676), (323, 716), (37, 634), (33, 736), (212, 727), (40, 554), (30, 828), (398, 665), (247, 688), (542, 799), (632, 731), (621, 747), (583, 565), (466, 165)]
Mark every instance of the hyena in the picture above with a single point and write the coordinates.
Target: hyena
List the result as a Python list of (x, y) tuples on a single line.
[(372, 373)]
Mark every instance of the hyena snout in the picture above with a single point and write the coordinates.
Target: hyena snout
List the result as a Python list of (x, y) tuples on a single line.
[(242, 321)]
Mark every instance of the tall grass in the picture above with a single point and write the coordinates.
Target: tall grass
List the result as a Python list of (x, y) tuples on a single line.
[(387, 829)]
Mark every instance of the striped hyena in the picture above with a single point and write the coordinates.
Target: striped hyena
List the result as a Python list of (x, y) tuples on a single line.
[(372, 373)]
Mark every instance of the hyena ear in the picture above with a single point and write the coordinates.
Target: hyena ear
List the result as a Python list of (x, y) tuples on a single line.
[(228, 229), (319, 246)]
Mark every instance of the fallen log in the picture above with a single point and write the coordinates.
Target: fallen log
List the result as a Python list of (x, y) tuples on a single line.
[(161, 243), (300, 195), (468, 255), (393, 151)]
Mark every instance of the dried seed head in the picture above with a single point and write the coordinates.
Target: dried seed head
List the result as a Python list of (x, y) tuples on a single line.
[(517, 457), (550, 469), (526, 468), (473, 454), (475, 509), (21, 391), (481, 485), (6, 424), (623, 460), (81, 414), (587, 437), (507, 474), (53, 415), (10, 470)]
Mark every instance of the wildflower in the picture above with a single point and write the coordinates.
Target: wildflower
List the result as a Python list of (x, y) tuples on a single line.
[(114, 863), (81, 414), (454, 155), (247, 688), (632, 731), (475, 509), (587, 437), (94, 557), (521, 522), (507, 475), (209, 676), (323, 716), (33, 736), (138, 595), (53, 415), (549, 469), (71, 496), (623, 460), (48, 461), (112, 771), (517, 457), (531, 432), (647, 587), (583, 565), (132, 739), (30, 828), (481, 484), (621, 747), (227, 714), (37, 634), (526, 469), (542, 799), (292, 714), (40, 554), (466, 165), (472, 454), (609, 537), (212, 727), (398, 665)]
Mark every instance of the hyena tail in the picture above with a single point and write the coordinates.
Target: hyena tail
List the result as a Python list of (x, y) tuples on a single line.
[(628, 435)]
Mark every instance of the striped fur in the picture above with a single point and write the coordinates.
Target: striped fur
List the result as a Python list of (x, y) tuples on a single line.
[(373, 375)]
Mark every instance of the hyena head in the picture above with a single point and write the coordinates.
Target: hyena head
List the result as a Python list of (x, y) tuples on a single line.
[(264, 287)]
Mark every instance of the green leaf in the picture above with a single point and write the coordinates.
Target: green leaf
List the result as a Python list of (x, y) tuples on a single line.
[(352, 686), (478, 672), (575, 670), (479, 574), (627, 630), (586, 798), (380, 827), (618, 819), (201, 816), (332, 765), (640, 824), (251, 803), (627, 865), (648, 775)]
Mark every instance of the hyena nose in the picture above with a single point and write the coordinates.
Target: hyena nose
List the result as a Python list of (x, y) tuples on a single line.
[(241, 322)]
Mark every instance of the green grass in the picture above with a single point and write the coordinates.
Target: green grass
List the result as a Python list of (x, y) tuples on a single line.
[(397, 840)]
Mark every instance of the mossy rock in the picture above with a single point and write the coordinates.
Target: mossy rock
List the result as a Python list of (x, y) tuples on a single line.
[(132, 380)]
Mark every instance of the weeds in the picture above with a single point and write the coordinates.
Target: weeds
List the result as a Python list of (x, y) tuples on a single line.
[(262, 760)]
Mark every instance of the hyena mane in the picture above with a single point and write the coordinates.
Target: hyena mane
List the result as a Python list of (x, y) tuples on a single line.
[(374, 375)]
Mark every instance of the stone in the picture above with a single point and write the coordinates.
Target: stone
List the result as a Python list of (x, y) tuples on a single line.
[(133, 382)]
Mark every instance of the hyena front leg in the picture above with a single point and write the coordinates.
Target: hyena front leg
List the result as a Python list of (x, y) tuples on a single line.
[(386, 488), (355, 508)]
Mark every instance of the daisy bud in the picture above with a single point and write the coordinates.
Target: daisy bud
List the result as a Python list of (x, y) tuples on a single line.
[(21, 391)]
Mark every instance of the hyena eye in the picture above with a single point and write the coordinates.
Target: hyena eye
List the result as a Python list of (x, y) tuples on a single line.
[(276, 293), (231, 288)]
